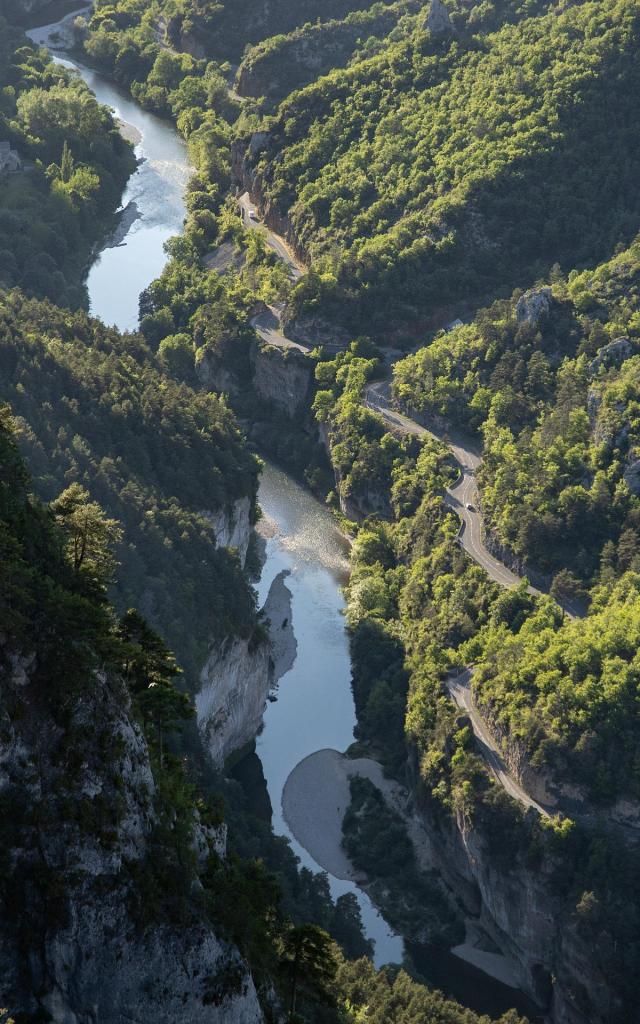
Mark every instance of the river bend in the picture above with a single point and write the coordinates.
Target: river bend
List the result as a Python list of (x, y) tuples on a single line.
[(314, 707)]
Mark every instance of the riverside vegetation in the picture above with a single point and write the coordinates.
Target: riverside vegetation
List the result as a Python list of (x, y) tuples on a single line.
[(429, 176), (103, 421), (414, 181), (76, 164)]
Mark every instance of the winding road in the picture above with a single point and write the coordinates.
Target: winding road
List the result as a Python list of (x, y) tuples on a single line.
[(462, 498), (459, 688), (274, 241), (268, 323)]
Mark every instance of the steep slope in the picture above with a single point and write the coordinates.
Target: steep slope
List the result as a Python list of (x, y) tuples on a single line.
[(449, 167), (95, 816), (224, 30), (74, 165), (549, 380), (557, 698), (98, 408), (283, 63)]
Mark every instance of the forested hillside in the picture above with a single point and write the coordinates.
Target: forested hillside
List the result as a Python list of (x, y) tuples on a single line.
[(96, 410), (75, 165), (427, 162), (87, 696), (554, 394), (560, 693), (448, 168), (89, 705)]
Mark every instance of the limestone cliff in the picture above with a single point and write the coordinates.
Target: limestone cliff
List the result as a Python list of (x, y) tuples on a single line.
[(283, 378), (232, 526), (230, 703), (245, 153), (82, 938), (515, 904), (280, 378)]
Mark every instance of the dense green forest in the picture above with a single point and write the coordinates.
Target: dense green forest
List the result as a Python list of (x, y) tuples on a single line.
[(75, 165), (96, 409), (221, 31), (555, 401), (444, 169), (568, 690), (422, 177), (564, 689), (58, 562), (282, 63), (418, 606), (392, 997), (54, 609)]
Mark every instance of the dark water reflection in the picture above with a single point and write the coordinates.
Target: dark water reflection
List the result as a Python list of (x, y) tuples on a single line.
[(468, 984)]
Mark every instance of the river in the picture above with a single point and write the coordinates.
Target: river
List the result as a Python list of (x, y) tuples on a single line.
[(157, 188), (314, 707)]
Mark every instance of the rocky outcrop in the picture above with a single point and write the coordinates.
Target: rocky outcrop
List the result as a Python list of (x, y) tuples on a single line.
[(533, 306), (232, 526), (234, 685), (438, 20), (553, 792), (514, 905), (517, 564), (315, 330), (81, 937), (244, 155), (613, 354), (632, 474), (214, 375), (278, 614), (283, 378)]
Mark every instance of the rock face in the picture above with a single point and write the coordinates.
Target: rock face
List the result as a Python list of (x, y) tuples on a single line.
[(533, 306), (515, 906), (438, 20), (80, 940), (290, 62), (283, 378), (244, 152), (280, 377), (234, 685), (233, 526), (632, 475), (367, 501), (613, 354), (277, 611), (316, 330)]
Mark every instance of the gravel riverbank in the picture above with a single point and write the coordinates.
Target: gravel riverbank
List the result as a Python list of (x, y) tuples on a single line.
[(314, 801)]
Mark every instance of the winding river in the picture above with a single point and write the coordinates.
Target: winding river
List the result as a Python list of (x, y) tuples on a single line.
[(155, 193), (314, 708)]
